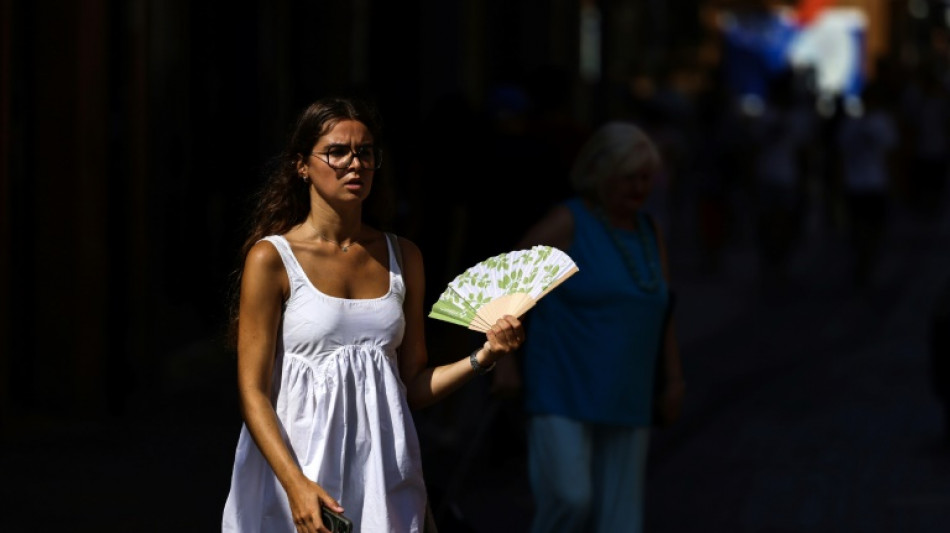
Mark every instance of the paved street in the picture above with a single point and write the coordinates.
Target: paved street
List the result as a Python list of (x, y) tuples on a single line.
[(809, 409), (813, 411), (809, 406)]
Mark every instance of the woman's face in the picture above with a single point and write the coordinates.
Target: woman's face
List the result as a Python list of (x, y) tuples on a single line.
[(628, 187), (342, 162)]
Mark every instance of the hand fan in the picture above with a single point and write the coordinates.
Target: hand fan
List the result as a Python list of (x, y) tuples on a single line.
[(506, 284)]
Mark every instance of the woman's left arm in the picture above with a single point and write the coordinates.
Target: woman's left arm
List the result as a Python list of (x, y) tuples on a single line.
[(674, 386), (427, 385)]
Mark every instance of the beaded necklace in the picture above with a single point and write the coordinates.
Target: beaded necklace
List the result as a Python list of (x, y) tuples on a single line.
[(628, 260)]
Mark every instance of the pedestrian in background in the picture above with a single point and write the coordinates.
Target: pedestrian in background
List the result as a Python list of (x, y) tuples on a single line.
[(331, 351), (866, 139), (782, 133), (592, 346)]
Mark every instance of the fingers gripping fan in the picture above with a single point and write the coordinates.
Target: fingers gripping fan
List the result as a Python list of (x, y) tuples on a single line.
[(506, 284)]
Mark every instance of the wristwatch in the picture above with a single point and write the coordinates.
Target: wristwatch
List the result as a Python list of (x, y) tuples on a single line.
[(479, 369)]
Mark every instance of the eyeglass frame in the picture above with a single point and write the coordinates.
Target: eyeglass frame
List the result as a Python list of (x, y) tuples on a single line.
[(377, 155)]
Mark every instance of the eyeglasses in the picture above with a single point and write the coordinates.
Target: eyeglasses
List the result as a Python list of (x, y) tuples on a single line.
[(340, 157)]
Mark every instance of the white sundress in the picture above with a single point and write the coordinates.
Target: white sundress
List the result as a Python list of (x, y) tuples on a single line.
[(342, 410)]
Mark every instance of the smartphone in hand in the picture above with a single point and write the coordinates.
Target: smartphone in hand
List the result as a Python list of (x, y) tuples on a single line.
[(336, 522)]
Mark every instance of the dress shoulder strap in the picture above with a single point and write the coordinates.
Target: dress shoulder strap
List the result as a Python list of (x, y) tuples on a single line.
[(293, 268), (395, 266), (395, 249)]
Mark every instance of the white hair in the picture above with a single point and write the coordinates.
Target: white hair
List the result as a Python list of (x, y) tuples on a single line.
[(613, 143)]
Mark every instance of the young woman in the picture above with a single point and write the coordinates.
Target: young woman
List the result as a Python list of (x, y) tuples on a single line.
[(330, 342)]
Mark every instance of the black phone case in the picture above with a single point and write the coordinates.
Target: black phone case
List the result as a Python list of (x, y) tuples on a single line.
[(336, 522)]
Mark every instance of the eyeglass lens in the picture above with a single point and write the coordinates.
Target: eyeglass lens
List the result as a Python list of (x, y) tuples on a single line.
[(342, 156)]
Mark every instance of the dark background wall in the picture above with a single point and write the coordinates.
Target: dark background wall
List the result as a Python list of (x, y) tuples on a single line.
[(134, 131)]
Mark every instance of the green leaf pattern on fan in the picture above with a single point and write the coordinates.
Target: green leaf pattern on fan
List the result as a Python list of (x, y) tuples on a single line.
[(521, 271)]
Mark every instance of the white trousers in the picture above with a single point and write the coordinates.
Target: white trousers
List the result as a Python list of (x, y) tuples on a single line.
[(586, 478)]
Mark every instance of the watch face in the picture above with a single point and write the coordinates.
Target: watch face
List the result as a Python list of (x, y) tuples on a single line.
[(475, 365), (479, 369)]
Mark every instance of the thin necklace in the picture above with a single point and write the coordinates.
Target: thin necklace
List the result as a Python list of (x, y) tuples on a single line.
[(627, 256), (344, 247)]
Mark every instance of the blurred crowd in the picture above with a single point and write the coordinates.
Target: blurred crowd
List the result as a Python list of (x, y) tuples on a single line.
[(763, 170), (766, 173), (770, 171)]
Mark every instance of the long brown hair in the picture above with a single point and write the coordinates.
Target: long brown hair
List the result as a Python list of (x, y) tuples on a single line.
[(283, 200)]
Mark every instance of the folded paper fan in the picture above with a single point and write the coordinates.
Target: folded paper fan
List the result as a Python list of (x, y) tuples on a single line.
[(506, 284)]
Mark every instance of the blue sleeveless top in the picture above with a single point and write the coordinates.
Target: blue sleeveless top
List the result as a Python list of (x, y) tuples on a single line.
[(591, 343)]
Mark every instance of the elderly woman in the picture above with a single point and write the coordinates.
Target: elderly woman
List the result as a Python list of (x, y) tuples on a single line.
[(593, 346)]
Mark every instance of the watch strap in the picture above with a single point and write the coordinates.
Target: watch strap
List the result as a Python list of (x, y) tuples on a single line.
[(479, 369)]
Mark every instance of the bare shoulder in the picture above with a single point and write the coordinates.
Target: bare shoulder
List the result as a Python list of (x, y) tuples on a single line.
[(412, 265), (559, 216), (411, 254), (556, 229), (263, 257)]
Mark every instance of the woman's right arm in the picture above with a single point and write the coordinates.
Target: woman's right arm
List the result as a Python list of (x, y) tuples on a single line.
[(555, 229), (264, 287)]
